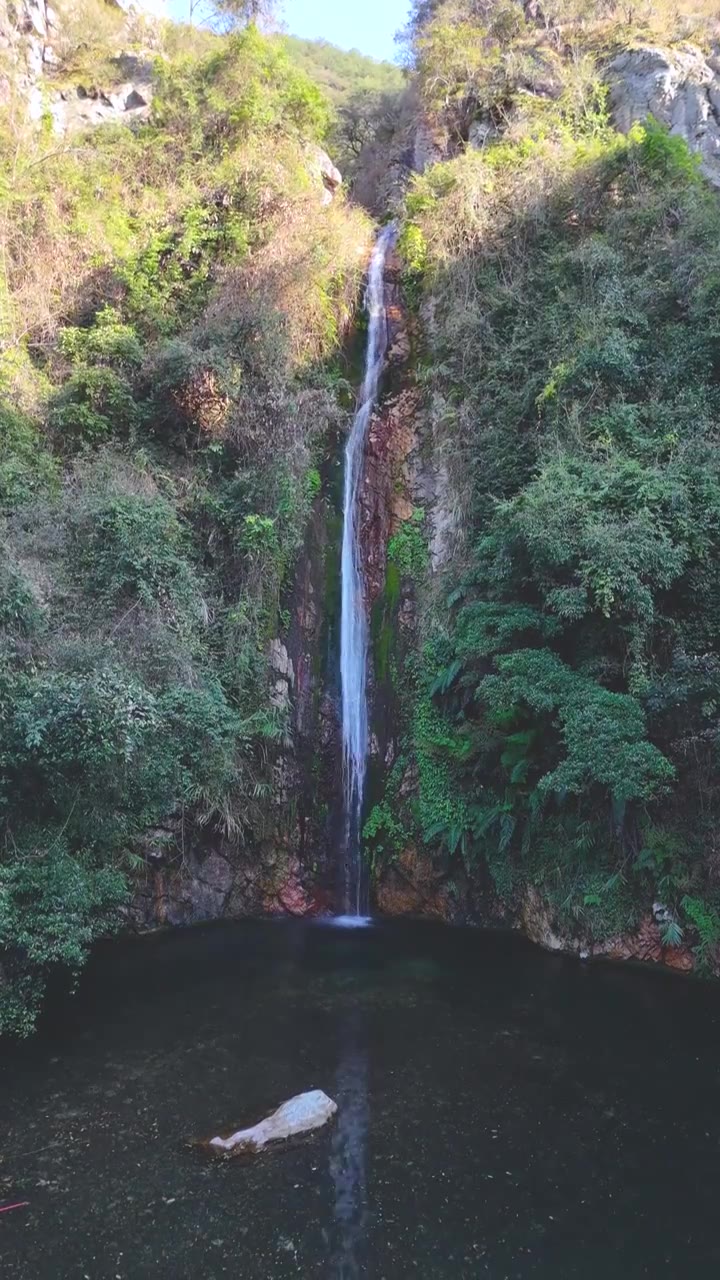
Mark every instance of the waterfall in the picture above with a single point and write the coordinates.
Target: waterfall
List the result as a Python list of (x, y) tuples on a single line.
[(353, 626)]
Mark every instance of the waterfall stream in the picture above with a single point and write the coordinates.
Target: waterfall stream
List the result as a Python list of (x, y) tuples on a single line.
[(353, 626)]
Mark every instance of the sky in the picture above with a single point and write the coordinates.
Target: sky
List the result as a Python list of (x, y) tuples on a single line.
[(367, 25)]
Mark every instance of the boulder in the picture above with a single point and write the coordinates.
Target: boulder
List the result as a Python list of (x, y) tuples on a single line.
[(301, 1114), (679, 87), (321, 167)]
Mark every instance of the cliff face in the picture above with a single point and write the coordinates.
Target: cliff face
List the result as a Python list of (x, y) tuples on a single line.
[(678, 86), (32, 38), (293, 868), (433, 832)]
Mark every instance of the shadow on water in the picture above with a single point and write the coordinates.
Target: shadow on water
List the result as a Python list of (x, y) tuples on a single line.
[(349, 1154), (502, 1113)]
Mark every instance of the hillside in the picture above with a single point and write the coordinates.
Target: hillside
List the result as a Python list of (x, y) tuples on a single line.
[(558, 690), (342, 73), (170, 381)]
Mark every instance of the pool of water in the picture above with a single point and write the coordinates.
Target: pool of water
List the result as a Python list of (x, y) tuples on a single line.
[(502, 1113)]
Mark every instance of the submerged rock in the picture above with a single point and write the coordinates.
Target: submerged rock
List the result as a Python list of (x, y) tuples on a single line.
[(301, 1114)]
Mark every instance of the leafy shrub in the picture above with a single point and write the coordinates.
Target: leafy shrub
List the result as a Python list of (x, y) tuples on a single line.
[(94, 404), (108, 340), (19, 610), (666, 155), (53, 905), (407, 548), (706, 920), (246, 84), (131, 547), (26, 465)]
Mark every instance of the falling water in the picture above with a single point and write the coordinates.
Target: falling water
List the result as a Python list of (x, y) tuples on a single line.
[(353, 627)]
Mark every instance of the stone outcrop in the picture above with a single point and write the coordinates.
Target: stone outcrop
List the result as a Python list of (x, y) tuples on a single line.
[(644, 944), (679, 87), (220, 880), (128, 101), (321, 168), (30, 32), (413, 885), (26, 31)]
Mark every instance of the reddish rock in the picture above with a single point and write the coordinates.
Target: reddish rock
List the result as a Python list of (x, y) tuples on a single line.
[(384, 495), (646, 945), (679, 958), (411, 886), (295, 899), (538, 923)]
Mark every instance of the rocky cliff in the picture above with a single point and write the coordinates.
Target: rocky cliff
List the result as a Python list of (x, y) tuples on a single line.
[(680, 87), (412, 467), (31, 42)]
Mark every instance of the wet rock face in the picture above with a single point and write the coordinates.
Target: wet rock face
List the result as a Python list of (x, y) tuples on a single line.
[(220, 882), (413, 886), (644, 944), (194, 875), (391, 440), (679, 87)]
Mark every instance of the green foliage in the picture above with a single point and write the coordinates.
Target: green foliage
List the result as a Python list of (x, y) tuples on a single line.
[(19, 611), (407, 548), (53, 905), (107, 341), (665, 155), (27, 467), (131, 548), (173, 295), (247, 84), (384, 833), (94, 404), (342, 73), (562, 708), (706, 920), (413, 250), (603, 733)]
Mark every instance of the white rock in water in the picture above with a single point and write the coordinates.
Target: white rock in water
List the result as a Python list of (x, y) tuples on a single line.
[(299, 1115)]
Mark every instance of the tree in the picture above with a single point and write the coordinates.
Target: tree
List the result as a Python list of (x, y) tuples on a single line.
[(367, 114), (228, 15)]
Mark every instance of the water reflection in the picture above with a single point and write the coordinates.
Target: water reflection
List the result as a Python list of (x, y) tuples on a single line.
[(349, 1153)]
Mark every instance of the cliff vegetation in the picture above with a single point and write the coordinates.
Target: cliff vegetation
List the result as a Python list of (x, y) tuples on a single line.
[(173, 297), (561, 695)]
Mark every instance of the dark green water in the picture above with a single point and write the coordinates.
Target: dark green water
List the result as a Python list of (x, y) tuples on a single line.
[(503, 1113)]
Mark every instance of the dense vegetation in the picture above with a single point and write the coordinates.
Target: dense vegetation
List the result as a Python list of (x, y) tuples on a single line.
[(173, 297), (561, 702)]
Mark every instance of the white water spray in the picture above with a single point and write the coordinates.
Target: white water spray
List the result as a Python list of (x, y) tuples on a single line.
[(353, 626)]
